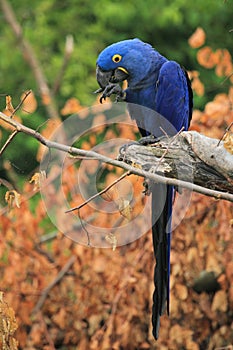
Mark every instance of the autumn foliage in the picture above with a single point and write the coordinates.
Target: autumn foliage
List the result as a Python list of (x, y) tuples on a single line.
[(103, 300)]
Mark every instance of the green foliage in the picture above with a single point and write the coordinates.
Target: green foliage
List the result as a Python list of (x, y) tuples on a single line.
[(166, 24), (95, 24)]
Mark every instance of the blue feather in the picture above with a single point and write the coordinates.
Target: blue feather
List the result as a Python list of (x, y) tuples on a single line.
[(159, 97)]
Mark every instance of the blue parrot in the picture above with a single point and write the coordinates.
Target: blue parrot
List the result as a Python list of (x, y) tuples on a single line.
[(163, 88)]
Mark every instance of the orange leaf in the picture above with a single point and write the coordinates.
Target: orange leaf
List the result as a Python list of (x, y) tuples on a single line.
[(181, 291), (8, 325), (29, 104), (125, 208), (37, 179), (206, 57), (198, 87), (111, 238), (228, 142), (9, 106), (224, 67), (71, 106), (220, 301), (197, 39), (13, 198)]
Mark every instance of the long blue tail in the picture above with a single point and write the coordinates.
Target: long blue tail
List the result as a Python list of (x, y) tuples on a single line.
[(162, 198)]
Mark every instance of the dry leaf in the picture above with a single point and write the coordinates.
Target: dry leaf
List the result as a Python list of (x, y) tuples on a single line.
[(198, 87), (30, 103), (220, 301), (206, 57), (13, 198), (111, 238), (125, 208), (71, 106), (224, 66), (9, 106), (228, 141), (197, 39), (181, 291), (38, 178), (8, 326)]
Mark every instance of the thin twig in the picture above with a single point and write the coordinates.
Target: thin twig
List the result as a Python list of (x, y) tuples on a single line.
[(99, 193), (30, 56), (7, 184), (56, 280), (128, 273), (227, 78), (134, 170), (51, 235), (84, 228), (168, 145), (46, 332), (8, 141), (27, 93), (227, 129)]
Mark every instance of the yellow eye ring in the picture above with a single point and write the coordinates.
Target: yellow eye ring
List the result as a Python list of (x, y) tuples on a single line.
[(116, 58)]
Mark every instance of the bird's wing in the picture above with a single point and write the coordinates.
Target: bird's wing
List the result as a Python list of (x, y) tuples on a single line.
[(174, 95), (173, 103)]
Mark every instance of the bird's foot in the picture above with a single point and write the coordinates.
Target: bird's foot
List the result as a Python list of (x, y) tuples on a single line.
[(111, 89), (148, 140)]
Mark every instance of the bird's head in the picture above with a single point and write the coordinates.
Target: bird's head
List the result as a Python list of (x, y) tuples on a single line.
[(129, 59)]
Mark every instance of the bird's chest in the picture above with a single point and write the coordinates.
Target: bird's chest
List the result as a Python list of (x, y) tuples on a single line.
[(142, 108), (144, 97)]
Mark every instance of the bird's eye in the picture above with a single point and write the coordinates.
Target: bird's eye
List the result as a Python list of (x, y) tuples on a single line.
[(116, 58)]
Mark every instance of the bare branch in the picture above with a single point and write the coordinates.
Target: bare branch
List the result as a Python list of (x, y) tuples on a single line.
[(7, 184), (26, 94), (227, 129), (99, 193), (121, 164), (8, 141), (29, 55), (69, 47), (56, 280)]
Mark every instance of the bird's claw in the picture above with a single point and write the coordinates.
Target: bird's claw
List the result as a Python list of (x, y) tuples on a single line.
[(111, 89), (98, 91), (148, 140)]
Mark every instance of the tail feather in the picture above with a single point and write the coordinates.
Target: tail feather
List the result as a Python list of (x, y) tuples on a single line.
[(161, 232)]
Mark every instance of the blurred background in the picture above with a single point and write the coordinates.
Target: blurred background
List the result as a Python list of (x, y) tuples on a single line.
[(166, 24), (103, 300)]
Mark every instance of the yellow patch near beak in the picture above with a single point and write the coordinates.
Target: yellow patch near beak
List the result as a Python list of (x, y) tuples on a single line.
[(123, 70)]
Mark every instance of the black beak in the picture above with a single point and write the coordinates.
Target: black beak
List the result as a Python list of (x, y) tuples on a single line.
[(112, 76)]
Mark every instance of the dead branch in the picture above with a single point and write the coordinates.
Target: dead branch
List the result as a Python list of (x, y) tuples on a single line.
[(143, 171), (30, 56), (8, 141), (56, 280), (69, 47), (189, 156), (99, 193)]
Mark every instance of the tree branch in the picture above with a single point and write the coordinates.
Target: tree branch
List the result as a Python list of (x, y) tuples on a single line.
[(69, 47), (122, 163), (30, 57), (188, 156), (99, 193), (57, 279)]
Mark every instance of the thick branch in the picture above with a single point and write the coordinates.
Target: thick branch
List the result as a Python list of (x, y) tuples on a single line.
[(118, 163), (189, 156), (31, 58)]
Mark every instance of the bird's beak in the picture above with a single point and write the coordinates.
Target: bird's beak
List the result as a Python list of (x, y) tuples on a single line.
[(112, 76)]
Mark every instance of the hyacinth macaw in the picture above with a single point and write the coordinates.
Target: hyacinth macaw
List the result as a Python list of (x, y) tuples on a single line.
[(164, 88)]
